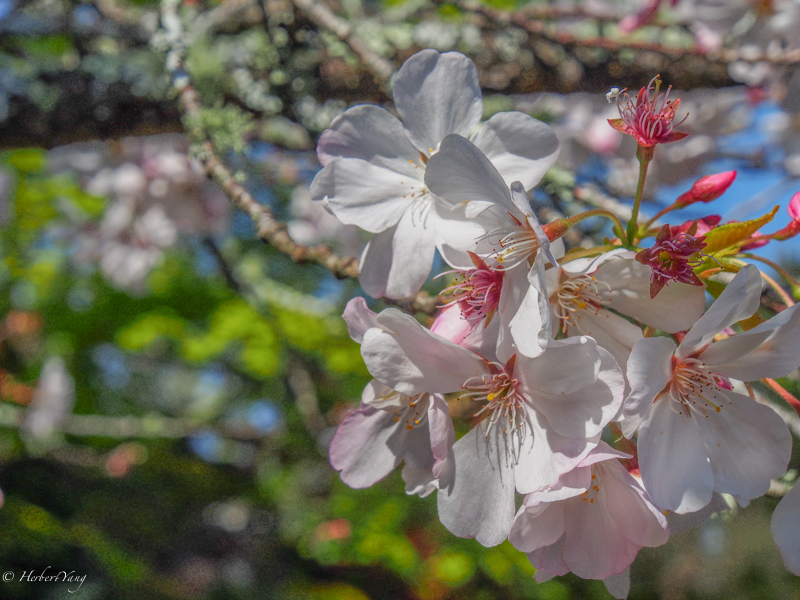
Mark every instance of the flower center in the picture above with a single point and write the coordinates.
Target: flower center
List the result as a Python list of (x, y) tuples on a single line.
[(694, 387), (513, 244), (498, 389), (478, 293), (576, 294), (415, 413)]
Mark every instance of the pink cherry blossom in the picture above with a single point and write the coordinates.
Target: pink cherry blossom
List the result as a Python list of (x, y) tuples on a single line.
[(592, 522), (707, 188), (649, 121), (672, 258)]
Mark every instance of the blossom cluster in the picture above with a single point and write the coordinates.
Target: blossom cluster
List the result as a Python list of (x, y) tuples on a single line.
[(596, 383)]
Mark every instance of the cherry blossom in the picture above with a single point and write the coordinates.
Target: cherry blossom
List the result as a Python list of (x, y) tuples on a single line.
[(374, 165), (672, 258), (390, 427), (696, 435), (592, 522), (541, 416), (649, 120)]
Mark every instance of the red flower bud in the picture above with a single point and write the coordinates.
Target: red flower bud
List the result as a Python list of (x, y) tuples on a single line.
[(793, 228), (707, 188)]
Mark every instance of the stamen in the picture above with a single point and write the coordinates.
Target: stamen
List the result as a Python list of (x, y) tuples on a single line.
[(576, 294), (693, 388), (498, 389)]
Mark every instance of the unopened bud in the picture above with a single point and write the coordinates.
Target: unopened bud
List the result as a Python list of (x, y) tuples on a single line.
[(707, 188)]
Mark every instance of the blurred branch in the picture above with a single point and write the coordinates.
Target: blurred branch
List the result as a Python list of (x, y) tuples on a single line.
[(305, 397), (320, 14)]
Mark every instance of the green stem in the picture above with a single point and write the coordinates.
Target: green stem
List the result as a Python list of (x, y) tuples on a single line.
[(599, 212), (587, 252), (645, 155), (783, 272)]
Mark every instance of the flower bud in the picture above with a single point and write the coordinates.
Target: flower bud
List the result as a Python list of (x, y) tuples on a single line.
[(706, 189)]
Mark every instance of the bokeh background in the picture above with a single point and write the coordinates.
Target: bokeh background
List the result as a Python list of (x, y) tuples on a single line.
[(169, 383)]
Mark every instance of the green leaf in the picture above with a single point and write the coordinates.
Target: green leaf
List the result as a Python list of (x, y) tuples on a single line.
[(731, 235), (26, 160)]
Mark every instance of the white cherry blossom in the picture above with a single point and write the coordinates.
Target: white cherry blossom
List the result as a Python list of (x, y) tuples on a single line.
[(541, 416), (374, 164), (696, 435)]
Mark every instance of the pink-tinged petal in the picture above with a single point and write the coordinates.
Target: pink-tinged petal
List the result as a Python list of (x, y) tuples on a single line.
[(363, 194), (480, 503), (359, 318), (397, 261), (520, 199), (417, 471), (457, 234), (595, 547), (570, 484), (747, 443), (549, 561), (771, 349), (459, 173), (648, 373), (437, 94), (546, 456), (583, 413), (619, 586), (676, 307), (537, 527), (372, 134), (367, 445), (521, 147), (738, 301), (672, 460), (786, 529), (639, 521), (602, 453), (412, 360)]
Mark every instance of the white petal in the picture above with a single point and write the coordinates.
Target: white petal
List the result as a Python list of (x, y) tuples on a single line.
[(786, 529), (673, 461), (437, 94), (460, 173), (649, 372), (612, 332), (567, 366), (412, 360), (738, 301), (372, 134), (546, 456), (537, 527), (771, 349), (480, 503), (443, 436), (359, 318), (363, 194), (380, 396), (417, 471), (515, 288), (367, 445), (676, 307), (521, 147), (397, 261), (747, 443), (584, 412), (530, 327)]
